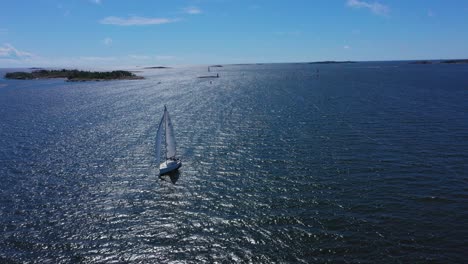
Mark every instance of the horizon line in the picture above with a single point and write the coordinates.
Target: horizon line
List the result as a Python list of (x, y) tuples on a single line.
[(245, 63)]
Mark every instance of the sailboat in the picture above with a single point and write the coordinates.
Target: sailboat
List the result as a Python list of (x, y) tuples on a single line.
[(171, 162)]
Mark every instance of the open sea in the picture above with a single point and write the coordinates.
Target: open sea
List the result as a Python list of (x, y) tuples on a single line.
[(362, 163)]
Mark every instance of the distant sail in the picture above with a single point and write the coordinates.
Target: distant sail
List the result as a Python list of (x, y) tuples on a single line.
[(159, 141), (170, 139)]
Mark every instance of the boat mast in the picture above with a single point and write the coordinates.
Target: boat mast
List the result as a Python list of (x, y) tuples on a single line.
[(165, 130)]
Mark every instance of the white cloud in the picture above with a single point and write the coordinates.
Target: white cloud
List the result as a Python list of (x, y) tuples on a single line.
[(107, 41), (346, 47), (7, 51), (96, 1), (375, 7), (192, 10), (136, 21)]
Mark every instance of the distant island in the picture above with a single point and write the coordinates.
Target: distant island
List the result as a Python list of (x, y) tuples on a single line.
[(157, 67), (73, 75), (421, 62), (454, 61), (442, 61), (213, 66), (331, 62)]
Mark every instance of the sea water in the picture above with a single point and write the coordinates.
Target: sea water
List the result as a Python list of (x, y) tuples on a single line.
[(363, 162)]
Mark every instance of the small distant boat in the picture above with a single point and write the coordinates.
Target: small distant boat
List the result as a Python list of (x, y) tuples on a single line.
[(171, 162)]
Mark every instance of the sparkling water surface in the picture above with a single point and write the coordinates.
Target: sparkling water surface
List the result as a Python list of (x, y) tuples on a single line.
[(362, 163)]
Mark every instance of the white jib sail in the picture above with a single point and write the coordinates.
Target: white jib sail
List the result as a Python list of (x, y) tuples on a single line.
[(159, 141), (170, 139)]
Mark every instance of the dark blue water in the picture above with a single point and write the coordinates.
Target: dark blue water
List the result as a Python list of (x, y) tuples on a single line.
[(365, 163)]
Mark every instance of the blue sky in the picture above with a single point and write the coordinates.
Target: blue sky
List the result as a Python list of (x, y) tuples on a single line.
[(183, 32)]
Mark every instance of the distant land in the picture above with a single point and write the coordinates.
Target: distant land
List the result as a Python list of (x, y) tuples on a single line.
[(209, 76), (331, 62), (421, 62), (440, 61), (73, 75), (157, 67), (455, 61)]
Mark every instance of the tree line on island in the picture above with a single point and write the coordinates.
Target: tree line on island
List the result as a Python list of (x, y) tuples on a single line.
[(462, 61), (73, 75)]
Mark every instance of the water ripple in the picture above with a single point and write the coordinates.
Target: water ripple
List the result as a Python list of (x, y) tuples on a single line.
[(363, 164)]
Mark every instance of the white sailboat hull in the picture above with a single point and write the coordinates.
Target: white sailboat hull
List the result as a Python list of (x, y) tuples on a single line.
[(169, 166)]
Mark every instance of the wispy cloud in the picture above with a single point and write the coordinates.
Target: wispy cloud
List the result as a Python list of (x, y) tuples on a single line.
[(139, 57), (63, 10), (164, 57), (107, 41), (346, 47), (136, 21), (157, 57), (97, 59), (82, 62), (192, 10), (375, 7), (12, 57), (96, 1), (7, 51)]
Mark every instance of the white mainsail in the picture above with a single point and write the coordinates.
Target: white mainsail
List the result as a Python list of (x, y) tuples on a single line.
[(158, 142), (170, 139)]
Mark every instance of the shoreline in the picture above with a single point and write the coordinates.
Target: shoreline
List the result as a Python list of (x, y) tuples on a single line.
[(73, 75), (103, 80)]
